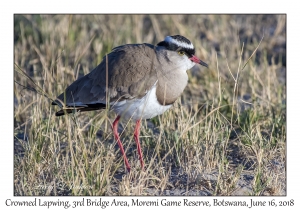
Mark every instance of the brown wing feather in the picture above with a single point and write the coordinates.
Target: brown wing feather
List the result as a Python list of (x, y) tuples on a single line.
[(131, 73)]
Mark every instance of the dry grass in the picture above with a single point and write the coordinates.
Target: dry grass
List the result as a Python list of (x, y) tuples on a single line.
[(226, 135)]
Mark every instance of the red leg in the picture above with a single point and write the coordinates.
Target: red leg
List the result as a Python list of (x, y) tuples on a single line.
[(137, 141), (117, 137)]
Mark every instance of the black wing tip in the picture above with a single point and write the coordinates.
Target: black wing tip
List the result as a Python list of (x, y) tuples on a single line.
[(56, 102), (59, 113), (91, 107), (63, 112)]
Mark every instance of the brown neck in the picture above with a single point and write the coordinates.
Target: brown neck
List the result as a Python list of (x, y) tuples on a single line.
[(170, 86)]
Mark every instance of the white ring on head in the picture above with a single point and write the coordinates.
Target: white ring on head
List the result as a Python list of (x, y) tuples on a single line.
[(179, 43)]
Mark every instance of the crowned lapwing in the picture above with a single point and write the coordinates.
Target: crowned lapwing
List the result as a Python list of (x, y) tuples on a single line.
[(137, 81)]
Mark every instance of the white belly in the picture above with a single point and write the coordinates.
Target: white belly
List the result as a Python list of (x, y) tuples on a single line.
[(144, 108)]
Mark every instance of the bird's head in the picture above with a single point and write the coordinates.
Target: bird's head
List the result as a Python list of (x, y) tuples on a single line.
[(182, 46)]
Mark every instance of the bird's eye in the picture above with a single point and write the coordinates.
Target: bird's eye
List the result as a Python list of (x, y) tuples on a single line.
[(180, 52)]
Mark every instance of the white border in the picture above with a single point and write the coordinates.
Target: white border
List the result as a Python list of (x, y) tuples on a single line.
[(117, 6)]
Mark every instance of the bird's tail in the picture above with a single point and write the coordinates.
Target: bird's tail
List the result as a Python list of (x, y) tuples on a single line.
[(70, 110), (73, 109)]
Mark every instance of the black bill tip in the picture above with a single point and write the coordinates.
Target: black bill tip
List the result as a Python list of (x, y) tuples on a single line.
[(203, 63)]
